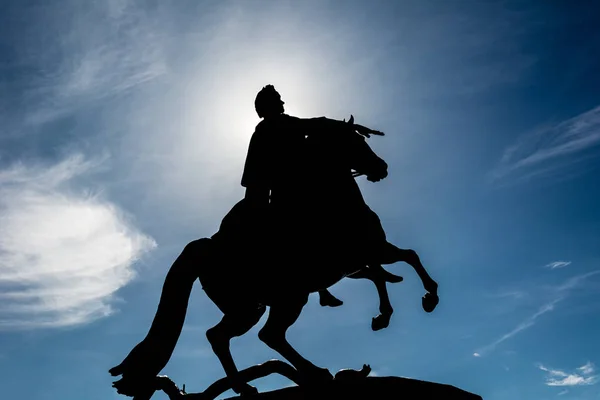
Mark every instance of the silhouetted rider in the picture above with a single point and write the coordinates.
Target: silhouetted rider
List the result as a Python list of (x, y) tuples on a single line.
[(275, 173), (275, 163)]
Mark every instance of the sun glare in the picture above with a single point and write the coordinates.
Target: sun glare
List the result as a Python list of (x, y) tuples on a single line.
[(230, 104)]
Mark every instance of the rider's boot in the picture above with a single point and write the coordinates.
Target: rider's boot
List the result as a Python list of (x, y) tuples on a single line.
[(381, 273), (326, 299)]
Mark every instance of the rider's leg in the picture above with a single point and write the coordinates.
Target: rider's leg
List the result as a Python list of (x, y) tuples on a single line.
[(376, 271), (219, 336), (387, 276), (326, 299), (281, 316)]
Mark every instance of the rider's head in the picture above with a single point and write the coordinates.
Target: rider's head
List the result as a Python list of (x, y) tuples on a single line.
[(268, 102)]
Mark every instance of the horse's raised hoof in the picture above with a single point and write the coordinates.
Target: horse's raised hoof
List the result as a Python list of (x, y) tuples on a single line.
[(380, 322), (430, 301), (352, 374)]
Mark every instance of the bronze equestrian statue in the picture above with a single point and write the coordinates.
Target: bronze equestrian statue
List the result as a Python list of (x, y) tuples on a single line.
[(302, 227)]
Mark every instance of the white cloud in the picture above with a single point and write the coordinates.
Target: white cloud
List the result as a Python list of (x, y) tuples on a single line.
[(563, 392), (476, 355), (558, 264), (550, 149), (63, 254), (556, 377), (587, 369)]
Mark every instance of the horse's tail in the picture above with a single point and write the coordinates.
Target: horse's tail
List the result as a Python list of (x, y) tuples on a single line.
[(151, 355)]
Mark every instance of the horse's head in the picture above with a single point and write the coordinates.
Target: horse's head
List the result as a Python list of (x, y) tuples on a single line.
[(344, 152), (363, 159)]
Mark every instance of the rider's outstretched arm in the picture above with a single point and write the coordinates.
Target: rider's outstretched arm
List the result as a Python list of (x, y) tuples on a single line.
[(324, 124)]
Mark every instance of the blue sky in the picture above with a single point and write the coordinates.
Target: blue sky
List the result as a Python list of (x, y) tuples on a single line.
[(123, 131)]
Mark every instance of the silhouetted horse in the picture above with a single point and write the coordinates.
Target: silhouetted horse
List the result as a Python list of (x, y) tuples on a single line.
[(243, 283)]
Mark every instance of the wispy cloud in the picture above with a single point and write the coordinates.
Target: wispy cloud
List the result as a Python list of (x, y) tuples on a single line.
[(63, 253), (559, 294), (575, 281), (527, 323), (558, 264), (587, 369), (583, 376), (106, 49), (563, 392), (514, 294), (550, 149)]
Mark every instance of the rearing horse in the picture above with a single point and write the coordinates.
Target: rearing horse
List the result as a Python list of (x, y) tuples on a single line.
[(241, 288)]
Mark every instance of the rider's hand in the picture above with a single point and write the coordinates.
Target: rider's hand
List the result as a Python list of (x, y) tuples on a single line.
[(363, 130)]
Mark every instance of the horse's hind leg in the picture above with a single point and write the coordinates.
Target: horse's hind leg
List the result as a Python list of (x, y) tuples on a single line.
[(220, 335), (281, 316)]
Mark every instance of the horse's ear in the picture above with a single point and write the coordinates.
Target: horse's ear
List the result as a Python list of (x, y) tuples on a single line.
[(351, 120)]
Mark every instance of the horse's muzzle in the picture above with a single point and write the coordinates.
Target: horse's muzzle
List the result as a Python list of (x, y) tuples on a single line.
[(380, 172)]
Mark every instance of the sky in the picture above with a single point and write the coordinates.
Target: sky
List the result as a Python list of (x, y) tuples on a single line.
[(124, 126)]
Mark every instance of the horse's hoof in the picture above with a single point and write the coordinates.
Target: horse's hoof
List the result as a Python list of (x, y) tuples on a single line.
[(430, 301), (380, 322), (141, 389)]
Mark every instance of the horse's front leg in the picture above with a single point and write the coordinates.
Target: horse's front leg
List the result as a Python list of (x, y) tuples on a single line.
[(385, 307), (282, 315), (393, 254), (232, 325)]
